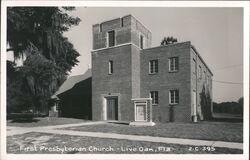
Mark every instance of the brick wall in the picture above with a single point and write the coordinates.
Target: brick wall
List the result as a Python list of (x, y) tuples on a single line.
[(120, 82), (129, 32), (201, 81), (131, 78), (164, 81)]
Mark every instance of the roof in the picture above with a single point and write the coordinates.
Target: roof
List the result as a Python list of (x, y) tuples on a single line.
[(168, 45), (71, 82)]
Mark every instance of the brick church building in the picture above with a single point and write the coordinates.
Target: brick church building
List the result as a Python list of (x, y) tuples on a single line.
[(124, 66), (127, 72)]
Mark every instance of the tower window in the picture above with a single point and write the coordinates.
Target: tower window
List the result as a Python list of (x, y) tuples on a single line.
[(122, 23), (100, 27), (111, 38), (110, 67), (141, 41), (153, 66)]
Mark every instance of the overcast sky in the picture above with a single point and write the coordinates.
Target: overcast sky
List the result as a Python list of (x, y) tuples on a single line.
[(217, 34)]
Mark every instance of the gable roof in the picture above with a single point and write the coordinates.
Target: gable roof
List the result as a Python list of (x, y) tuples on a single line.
[(71, 82)]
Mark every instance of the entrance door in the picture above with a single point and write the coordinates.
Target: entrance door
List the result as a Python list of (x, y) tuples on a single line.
[(140, 112), (112, 108)]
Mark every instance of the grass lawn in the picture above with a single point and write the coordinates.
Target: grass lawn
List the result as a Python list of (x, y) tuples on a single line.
[(46, 121), (221, 131), (38, 143)]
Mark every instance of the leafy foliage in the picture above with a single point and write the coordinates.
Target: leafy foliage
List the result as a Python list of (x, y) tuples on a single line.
[(16, 99), (37, 33), (168, 40), (206, 103), (229, 107), (41, 28)]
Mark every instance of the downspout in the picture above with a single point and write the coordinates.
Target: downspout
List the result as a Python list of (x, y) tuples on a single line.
[(196, 72)]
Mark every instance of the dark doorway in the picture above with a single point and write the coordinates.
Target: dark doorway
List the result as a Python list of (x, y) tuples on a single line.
[(112, 108)]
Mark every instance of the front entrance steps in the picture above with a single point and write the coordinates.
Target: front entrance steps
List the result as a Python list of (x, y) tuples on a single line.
[(142, 123)]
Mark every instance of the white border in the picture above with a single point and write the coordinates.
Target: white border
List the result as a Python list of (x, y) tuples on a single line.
[(244, 4)]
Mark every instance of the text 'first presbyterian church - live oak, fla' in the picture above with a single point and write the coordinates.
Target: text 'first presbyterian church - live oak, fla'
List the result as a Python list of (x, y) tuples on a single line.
[(133, 82)]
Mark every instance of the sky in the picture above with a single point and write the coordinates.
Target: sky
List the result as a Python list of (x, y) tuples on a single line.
[(217, 34)]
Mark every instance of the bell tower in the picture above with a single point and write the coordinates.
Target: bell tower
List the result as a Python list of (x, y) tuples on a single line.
[(117, 45), (121, 31)]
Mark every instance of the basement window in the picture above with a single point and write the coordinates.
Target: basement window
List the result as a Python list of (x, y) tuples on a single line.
[(154, 96), (174, 96)]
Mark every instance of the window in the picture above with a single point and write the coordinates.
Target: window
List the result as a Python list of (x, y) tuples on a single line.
[(111, 38), (200, 72), (154, 96), (194, 66), (173, 64), (174, 96), (57, 106), (122, 23), (153, 66), (141, 41), (100, 27), (110, 67)]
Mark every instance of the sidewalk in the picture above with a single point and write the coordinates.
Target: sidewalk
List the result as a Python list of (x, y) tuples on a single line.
[(53, 130)]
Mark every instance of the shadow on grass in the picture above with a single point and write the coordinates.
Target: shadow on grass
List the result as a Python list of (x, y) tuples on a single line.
[(233, 120), (24, 120), (119, 122)]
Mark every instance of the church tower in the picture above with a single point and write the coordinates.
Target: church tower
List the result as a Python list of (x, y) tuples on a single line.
[(116, 51)]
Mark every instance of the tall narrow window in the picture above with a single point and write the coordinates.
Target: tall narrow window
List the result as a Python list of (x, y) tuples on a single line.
[(153, 66), (154, 96), (110, 67), (141, 41), (122, 23), (173, 64), (100, 27), (194, 66), (174, 96), (111, 38), (200, 72)]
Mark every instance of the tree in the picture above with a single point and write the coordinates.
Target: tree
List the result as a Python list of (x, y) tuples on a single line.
[(241, 105), (168, 40), (206, 103), (37, 33), (229, 107)]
